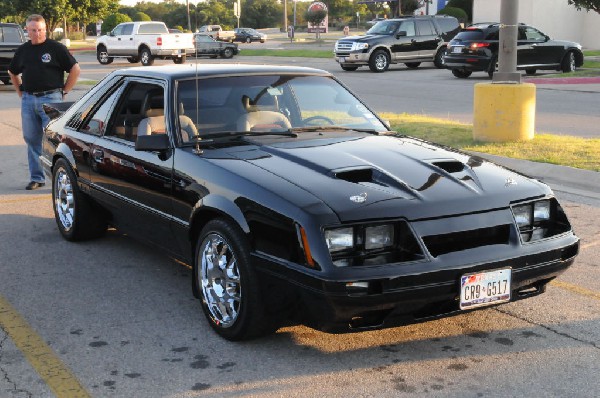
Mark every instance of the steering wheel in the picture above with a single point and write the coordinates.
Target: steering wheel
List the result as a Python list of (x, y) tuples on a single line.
[(310, 121)]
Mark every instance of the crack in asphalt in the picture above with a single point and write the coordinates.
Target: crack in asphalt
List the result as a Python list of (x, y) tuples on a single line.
[(548, 328), (4, 373)]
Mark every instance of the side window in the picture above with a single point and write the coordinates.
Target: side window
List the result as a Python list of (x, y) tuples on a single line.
[(127, 29), (80, 116), (534, 34), (118, 30), (140, 110), (11, 35), (425, 28), (408, 27)]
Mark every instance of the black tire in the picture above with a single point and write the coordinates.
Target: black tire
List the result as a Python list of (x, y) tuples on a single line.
[(227, 52), (438, 60), (248, 39), (412, 65), (493, 66), (76, 216), (228, 286), (146, 57), (379, 61), (568, 63), (530, 72), (461, 73), (133, 60), (102, 56), (179, 60), (349, 68)]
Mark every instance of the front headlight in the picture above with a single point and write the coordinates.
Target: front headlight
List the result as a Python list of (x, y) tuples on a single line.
[(522, 215), (339, 239), (540, 219), (541, 210), (359, 46), (379, 237)]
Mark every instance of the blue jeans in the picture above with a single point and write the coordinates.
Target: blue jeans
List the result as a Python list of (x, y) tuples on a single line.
[(33, 121)]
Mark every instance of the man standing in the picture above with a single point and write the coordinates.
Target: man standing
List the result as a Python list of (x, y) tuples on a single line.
[(37, 71)]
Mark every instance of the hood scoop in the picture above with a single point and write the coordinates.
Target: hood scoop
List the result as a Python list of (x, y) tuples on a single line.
[(450, 166), (373, 178)]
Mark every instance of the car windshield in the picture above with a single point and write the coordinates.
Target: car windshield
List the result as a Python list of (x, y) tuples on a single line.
[(270, 104)]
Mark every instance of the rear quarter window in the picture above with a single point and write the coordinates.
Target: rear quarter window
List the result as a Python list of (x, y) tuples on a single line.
[(153, 28)]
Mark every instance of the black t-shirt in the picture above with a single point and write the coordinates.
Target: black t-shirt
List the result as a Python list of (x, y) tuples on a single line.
[(43, 66)]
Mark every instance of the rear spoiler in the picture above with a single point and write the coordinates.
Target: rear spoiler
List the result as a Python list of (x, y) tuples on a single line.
[(56, 109)]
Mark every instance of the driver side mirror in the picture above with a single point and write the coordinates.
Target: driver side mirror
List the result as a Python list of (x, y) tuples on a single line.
[(151, 143), (400, 34)]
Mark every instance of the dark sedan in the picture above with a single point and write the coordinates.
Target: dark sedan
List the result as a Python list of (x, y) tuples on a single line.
[(206, 45), (291, 200), (248, 35), (476, 49)]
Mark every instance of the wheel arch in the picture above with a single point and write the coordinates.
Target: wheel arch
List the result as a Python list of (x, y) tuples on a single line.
[(384, 48), (211, 207), (64, 152)]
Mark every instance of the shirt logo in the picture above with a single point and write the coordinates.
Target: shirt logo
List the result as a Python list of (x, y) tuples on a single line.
[(46, 58)]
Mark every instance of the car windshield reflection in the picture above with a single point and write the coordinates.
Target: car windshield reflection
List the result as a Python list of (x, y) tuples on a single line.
[(280, 103)]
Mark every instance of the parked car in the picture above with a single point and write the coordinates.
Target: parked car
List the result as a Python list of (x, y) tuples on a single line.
[(217, 32), (207, 45), (291, 199), (410, 40), (143, 41), (248, 35), (11, 38), (476, 49)]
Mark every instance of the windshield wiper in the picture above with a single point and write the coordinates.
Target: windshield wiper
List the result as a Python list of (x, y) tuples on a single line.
[(225, 136), (331, 128)]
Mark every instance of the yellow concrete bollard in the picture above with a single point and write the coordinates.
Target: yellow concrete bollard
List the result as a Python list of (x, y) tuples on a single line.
[(503, 112)]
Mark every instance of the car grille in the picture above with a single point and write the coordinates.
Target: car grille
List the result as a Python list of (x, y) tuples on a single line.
[(343, 46), (464, 240)]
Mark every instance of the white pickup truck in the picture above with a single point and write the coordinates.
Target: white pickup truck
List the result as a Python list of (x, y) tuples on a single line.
[(143, 42), (217, 32)]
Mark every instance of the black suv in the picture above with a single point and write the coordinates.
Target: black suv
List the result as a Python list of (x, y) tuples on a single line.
[(409, 40), (476, 49), (11, 37)]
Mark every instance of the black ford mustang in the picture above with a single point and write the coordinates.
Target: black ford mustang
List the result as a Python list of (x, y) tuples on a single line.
[(292, 200)]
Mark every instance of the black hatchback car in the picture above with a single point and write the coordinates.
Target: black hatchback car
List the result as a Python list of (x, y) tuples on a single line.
[(291, 199), (476, 49)]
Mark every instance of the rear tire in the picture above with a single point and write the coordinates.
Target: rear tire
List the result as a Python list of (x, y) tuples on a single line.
[(493, 66), (228, 286), (438, 61), (568, 63), (379, 61), (179, 60), (530, 72), (146, 57), (74, 212), (461, 73), (412, 65)]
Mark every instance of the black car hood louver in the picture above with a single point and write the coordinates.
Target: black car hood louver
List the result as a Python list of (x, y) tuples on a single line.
[(394, 174)]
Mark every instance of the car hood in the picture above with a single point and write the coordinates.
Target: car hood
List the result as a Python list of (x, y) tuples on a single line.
[(363, 38), (385, 176)]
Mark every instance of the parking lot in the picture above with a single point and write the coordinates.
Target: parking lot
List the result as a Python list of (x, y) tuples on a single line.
[(115, 318)]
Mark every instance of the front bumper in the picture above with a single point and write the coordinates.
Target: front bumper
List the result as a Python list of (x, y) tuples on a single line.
[(405, 298), (352, 58)]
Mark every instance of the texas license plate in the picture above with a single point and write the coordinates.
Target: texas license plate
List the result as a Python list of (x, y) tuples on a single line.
[(485, 288), (457, 49)]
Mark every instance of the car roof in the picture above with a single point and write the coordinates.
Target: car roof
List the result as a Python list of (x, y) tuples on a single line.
[(192, 69)]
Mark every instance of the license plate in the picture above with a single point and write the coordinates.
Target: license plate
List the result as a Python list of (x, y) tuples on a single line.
[(342, 59), (485, 288), (457, 49)]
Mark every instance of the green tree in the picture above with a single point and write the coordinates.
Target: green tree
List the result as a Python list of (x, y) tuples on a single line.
[(141, 16), (593, 5), (113, 20), (456, 12), (264, 13), (316, 17), (466, 5)]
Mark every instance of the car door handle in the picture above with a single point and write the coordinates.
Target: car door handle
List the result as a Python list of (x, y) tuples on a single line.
[(119, 39), (98, 155)]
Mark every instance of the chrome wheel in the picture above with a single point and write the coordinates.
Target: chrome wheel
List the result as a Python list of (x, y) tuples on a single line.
[(64, 202), (220, 280)]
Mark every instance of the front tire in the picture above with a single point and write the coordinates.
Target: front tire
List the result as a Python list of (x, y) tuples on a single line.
[(228, 286), (146, 57), (568, 63), (75, 215), (102, 56), (379, 61), (227, 53)]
